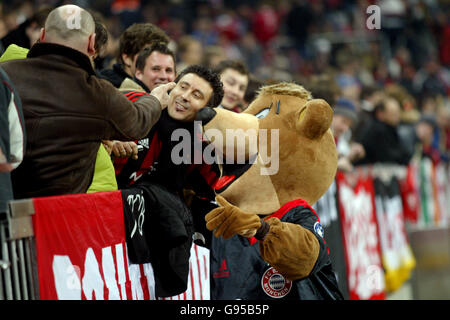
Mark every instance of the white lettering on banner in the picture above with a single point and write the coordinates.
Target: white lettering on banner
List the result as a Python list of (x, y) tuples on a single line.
[(99, 284), (361, 240), (92, 279), (198, 280), (394, 211), (109, 272), (442, 194), (375, 278), (67, 278), (149, 274), (394, 243), (135, 278), (69, 286), (121, 277)]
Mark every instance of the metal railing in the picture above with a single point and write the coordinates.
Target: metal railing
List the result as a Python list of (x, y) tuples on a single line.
[(18, 263)]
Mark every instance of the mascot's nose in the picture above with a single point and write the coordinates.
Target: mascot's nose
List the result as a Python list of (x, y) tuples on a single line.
[(205, 115)]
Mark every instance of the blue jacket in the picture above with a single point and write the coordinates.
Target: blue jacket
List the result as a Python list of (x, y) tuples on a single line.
[(239, 272)]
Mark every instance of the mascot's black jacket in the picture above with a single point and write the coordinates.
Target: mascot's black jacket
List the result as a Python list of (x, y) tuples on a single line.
[(239, 272)]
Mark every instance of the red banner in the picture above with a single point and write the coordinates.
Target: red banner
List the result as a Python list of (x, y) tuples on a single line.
[(360, 232), (409, 188), (398, 260), (82, 253)]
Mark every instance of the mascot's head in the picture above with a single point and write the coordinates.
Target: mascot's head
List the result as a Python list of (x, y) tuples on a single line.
[(280, 149)]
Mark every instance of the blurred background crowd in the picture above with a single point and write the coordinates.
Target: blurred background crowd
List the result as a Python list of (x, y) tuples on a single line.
[(393, 80)]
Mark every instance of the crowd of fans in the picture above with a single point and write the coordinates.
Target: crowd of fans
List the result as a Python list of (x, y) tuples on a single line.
[(389, 87)]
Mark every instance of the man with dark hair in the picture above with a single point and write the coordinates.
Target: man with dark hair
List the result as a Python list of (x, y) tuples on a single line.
[(254, 85), (155, 65), (101, 42), (197, 87), (234, 76), (196, 75), (131, 42)]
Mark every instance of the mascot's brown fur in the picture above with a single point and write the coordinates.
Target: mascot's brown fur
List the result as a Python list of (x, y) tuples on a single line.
[(307, 163)]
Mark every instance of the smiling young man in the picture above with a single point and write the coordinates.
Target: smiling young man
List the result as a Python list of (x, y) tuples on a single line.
[(191, 94), (234, 76), (155, 65), (196, 87), (135, 38)]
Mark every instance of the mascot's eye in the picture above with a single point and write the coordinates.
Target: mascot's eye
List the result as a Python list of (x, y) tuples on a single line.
[(263, 113)]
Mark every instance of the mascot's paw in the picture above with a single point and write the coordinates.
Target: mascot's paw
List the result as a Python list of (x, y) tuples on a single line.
[(228, 220)]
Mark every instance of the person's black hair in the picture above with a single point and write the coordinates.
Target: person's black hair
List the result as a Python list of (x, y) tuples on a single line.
[(379, 107), (252, 88), (211, 77), (367, 91), (236, 65), (137, 36)]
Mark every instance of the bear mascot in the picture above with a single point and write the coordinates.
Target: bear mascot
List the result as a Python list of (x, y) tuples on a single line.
[(268, 242)]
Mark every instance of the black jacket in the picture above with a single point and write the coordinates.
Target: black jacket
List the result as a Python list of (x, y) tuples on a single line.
[(158, 229), (382, 143), (116, 75), (239, 272), (17, 36)]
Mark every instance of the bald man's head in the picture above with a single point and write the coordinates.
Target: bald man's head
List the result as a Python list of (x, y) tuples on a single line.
[(71, 26)]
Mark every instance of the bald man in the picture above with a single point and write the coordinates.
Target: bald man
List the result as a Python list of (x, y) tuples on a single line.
[(68, 110)]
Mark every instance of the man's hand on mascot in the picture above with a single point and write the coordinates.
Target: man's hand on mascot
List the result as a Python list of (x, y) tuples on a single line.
[(228, 220)]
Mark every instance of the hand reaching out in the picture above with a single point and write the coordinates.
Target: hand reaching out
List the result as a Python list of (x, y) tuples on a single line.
[(160, 92)]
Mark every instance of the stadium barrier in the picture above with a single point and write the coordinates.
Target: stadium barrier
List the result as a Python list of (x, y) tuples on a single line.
[(384, 225), (18, 268)]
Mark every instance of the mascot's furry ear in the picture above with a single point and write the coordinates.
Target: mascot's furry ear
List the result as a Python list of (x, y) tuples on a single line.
[(314, 119), (205, 115)]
